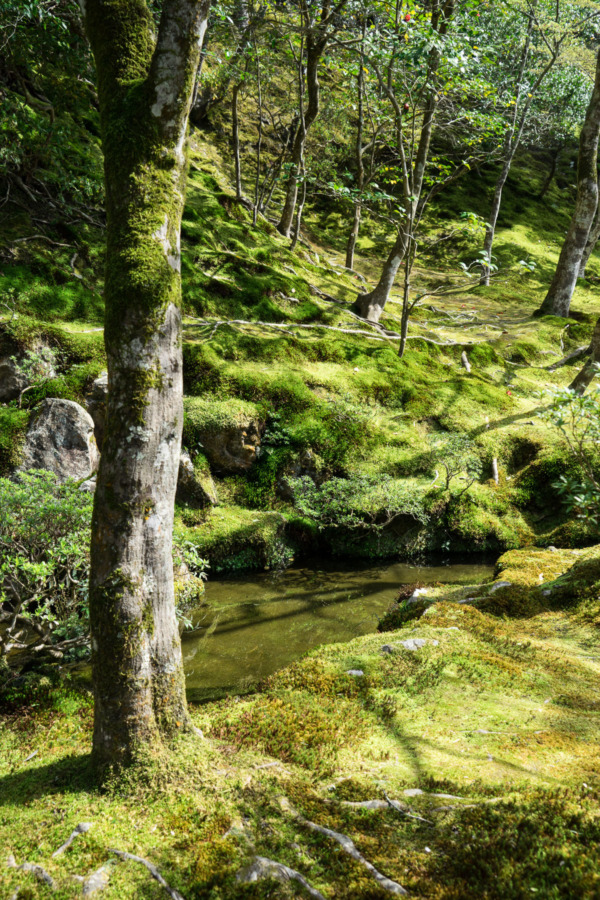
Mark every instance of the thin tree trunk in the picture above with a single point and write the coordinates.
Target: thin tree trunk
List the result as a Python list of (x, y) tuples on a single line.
[(590, 244), (370, 306), (314, 51), (558, 299), (236, 141), (490, 230), (585, 376), (259, 145), (360, 169), (353, 236), (299, 211), (147, 83)]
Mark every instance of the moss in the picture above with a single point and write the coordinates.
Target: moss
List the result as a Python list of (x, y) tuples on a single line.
[(13, 426)]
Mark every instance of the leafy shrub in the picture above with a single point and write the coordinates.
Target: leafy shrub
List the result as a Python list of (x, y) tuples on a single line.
[(457, 455), (360, 502), (44, 564), (577, 417), (44, 569)]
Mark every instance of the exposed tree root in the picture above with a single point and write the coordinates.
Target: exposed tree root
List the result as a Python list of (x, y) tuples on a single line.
[(122, 854), (39, 872), (570, 358), (349, 847), (261, 867), (80, 829)]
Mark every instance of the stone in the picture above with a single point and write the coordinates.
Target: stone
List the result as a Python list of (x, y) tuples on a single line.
[(234, 448), (95, 403), (12, 382), (416, 643), (88, 486), (60, 439), (193, 484), (389, 648), (357, 673), (498, 585)]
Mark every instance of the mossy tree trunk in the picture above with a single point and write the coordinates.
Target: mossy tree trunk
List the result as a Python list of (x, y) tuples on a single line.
[(145, 84), (586, 375), (558, 299), (590, 245)]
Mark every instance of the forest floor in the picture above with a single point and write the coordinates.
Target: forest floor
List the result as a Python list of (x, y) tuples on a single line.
[(483, 738)]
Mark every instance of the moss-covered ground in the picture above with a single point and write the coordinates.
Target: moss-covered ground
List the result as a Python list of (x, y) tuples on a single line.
[(486, 736), (271, 329)]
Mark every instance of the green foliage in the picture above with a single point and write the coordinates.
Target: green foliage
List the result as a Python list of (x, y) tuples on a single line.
[(457, 455), (360, 502), (577, 417), (44, 564)]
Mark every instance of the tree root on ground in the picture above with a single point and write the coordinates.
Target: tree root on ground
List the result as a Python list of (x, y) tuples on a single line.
[(80, 829), (349, 847), (261, 867), (122, 854)]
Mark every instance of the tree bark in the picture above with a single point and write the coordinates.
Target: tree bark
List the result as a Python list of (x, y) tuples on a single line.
[(558, 299), (145, 86), (585, 376), (590, 244), (360, 168), (490, 230), (235, 127)]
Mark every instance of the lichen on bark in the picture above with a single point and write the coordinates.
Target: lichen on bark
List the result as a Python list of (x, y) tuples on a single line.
[(145, 83)]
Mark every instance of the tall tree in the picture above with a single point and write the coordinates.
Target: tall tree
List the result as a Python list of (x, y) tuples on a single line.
[(145, 82), (558, 299)]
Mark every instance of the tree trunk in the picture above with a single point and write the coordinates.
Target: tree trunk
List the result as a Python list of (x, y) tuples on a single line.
[(360, 168), (353, 236), (490, 230), (585, 376), (314, 51), (558, 299), (370, 306), (145, 88), (590, 244), (236, 141)]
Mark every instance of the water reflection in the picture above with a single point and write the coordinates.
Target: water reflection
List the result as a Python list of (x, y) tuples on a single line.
[(257, 623)]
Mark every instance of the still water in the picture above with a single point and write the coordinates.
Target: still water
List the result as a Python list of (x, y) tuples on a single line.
[(254, 624)]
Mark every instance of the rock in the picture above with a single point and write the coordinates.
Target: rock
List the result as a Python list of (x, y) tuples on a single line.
[(417, 643), (234, 448), (389, 648), (12, 382), (88, 486), (552, 548), (96, 405), (357, 673), (195, 485), (498, 585), (415, 596), (60, 439)]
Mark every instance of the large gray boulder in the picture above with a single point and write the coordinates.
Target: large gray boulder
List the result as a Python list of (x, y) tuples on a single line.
[(12, 382), (60, 439), (95, 403)]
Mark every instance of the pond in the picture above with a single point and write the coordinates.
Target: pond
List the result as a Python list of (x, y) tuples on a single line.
[(257, 623)]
